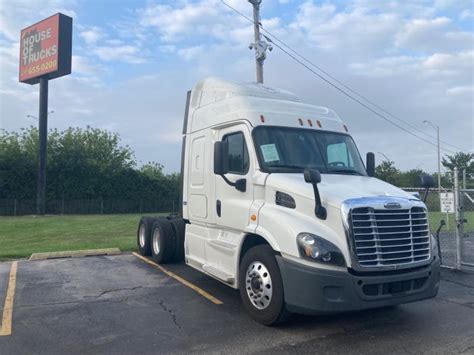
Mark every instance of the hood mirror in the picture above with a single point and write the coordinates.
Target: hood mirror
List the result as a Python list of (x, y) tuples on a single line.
[(370, 164), (427, 182), (313, 177)]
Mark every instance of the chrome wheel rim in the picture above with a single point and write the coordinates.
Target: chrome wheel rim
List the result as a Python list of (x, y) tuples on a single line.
[(141, 236), (259, 285), (156, 241)]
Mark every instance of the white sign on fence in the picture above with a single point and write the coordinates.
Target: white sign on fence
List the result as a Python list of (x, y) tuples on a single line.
[(447, 202)]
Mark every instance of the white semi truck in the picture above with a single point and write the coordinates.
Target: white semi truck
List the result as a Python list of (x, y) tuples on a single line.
[(277, 202)]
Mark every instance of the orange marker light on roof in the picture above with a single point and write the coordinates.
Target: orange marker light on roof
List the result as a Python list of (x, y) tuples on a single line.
[(262, 119), (300, 121), (319, 123), (310, 123), (253, 217)]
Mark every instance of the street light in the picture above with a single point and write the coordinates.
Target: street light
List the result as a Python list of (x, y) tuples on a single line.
[(439, 152), (386, 157), (31, 116)]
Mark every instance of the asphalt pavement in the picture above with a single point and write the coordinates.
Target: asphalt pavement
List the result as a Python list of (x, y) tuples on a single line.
[(122, 305)]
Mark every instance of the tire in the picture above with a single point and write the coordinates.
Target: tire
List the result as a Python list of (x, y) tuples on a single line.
[(162, 241), (261, 287), (178, 226), (145, 227)]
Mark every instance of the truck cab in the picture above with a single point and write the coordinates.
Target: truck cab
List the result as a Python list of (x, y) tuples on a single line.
[(279, 204)]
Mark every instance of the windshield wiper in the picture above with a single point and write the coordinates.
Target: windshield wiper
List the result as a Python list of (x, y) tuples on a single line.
[(345, 171)]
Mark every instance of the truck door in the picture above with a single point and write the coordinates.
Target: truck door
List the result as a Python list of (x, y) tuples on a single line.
[(233, 206)]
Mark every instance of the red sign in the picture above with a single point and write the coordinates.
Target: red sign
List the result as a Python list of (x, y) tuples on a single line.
[(45, 49)]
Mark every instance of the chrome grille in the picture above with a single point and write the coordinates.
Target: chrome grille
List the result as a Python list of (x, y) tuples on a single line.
[(384, 237)]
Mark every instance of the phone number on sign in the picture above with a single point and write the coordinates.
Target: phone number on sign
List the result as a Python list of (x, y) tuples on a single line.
[(42, 67)]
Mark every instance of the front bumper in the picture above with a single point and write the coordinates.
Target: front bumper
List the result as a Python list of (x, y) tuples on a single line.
[(310, 290)]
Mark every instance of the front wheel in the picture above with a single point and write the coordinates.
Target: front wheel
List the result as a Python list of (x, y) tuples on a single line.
[(261, 288)]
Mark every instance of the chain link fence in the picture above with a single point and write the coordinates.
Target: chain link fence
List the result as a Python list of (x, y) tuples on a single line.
[(19, 207), (455, 253), (466, 226)]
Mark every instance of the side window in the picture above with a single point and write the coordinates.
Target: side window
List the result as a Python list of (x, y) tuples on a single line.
[(338, 155), (238, 154)]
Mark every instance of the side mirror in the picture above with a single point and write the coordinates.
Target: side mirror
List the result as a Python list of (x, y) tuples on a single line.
[(221, 165), (313, 177), (221, 158), (427, 182), (370, 164)]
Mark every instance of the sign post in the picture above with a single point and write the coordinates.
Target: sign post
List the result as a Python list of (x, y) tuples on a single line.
[(45, 53), (43, 141)]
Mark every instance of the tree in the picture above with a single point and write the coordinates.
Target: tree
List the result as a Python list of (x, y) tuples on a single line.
[(82, 164), (387, 172), (410, 178), (463, 161)]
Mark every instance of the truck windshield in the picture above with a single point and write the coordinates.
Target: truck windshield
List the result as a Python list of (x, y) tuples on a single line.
[(283, 149)]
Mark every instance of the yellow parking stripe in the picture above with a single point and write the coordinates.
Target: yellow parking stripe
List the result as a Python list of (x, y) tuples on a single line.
[(6, 328), (181, 280)]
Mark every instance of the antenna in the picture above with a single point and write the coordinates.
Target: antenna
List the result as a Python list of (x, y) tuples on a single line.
[(260, 45)]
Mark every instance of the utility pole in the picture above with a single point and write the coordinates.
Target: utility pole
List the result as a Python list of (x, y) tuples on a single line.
[(260, 45), (439, 153), (439, 162)]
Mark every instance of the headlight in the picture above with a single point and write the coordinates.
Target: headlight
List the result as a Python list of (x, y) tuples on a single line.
[(317, 249)]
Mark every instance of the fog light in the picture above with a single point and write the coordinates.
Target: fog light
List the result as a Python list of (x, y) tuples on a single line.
[(326, 257)]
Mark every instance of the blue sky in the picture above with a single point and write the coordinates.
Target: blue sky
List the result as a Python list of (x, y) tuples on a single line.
[(133, 62)]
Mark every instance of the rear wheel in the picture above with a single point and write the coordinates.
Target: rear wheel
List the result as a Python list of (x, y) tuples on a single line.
[(178, 226), (163, 243), (261, 288), (145, 227)]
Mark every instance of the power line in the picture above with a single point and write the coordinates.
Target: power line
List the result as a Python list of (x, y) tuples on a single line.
[(358, 100), (355, 92)]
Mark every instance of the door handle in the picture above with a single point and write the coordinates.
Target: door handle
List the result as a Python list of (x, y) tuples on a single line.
[(218, 208)]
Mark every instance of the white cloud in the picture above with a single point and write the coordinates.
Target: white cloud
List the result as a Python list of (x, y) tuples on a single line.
[(82, 65), (460, 64), (467, 90), (467, 14), (354, 30), (125, 53), (167, 48), (191, 52), (173, 22), (92, 35), (431, 35)]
